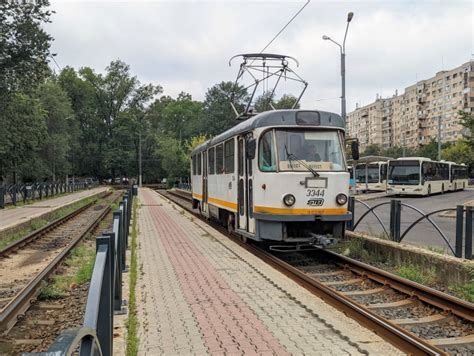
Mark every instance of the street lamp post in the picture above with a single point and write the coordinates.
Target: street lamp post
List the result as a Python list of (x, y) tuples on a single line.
[(342, 48)]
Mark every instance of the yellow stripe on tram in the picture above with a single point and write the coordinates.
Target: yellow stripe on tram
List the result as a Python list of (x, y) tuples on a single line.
[(290, 211)]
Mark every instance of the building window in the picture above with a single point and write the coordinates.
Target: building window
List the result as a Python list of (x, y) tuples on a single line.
[(229, 156)]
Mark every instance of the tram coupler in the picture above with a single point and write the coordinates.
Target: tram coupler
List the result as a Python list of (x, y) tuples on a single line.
[(322, 240)]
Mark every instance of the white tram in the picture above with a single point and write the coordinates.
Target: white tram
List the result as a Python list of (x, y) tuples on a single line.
[(278, 176)]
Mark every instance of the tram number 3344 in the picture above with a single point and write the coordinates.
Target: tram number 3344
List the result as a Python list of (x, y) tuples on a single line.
[(311, 193)]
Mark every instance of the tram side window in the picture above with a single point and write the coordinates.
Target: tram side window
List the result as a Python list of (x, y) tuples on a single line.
[(194, 165), (229, 156), (220, 159), (212, 161), (266, 153), (199, 164)]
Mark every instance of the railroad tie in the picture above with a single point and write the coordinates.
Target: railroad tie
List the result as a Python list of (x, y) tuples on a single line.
[(435, 318), (397, 304), (365, 292), (453, 341), (341, 283)]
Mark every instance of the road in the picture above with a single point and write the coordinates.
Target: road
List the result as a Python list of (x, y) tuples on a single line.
[(424, 233)]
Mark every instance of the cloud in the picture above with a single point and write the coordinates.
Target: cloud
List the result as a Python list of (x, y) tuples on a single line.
[(185, 45)]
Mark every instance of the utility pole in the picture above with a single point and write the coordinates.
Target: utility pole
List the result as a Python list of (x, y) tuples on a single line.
[(140, 158), (342, 48)]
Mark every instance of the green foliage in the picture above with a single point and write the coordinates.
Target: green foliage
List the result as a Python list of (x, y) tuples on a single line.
[(464, 291), (24, 117), (414, 274), (132, 320), (265, 102), (218, 115), (24, 45)]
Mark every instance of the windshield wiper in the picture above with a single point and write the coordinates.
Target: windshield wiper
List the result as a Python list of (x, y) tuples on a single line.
[(291, 157)]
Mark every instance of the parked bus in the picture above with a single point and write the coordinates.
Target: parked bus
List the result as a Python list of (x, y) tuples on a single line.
[(458, 176), (376, 174), (418, 176)]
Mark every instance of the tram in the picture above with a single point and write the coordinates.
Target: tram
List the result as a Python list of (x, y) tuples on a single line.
[(280, 175)]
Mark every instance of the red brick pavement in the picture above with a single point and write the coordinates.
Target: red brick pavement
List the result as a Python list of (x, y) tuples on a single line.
[(227, 324)]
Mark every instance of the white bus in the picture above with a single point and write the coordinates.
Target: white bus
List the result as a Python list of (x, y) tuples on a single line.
[(376, 174), (458, 176), (417, 176)]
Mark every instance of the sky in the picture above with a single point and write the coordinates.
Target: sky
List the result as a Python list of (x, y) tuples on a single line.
[(186, 45)]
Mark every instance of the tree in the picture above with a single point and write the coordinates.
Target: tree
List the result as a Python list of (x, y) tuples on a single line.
[(218, 115), (286, 102), (61, 126), (25, 119), (24, 45), (372, 150), (265, 102)]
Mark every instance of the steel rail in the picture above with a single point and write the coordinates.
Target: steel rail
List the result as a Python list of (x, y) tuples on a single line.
[(440, 300), (45, 229), (22, 301), (393, 333)]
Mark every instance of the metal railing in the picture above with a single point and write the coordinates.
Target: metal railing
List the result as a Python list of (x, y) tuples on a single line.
[(464, 216), (95, 337), (14, 193)]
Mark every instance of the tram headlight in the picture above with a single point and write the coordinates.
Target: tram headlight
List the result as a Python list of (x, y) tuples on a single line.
[(341, 199), (289, 199)]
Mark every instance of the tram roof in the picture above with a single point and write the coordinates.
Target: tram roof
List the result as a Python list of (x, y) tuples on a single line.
[(275, 118)]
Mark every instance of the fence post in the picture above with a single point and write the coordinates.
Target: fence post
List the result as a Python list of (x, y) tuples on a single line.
[(105, 319), (126, 201), (459, 222), (351, 208), (118, 215), (395, 219), (2, 197), (14, 194), (468, 240)]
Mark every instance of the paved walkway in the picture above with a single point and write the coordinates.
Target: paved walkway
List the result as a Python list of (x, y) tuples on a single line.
[(13, 216), (200, 293)]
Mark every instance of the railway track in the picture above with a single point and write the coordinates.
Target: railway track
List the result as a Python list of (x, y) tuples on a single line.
[(413, 317), (26, 263)]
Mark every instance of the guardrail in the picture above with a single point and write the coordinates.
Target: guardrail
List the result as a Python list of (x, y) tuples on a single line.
[(95, 337), (464, 217), (14, 193)]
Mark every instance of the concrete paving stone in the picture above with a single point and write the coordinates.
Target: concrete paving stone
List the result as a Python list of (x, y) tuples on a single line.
[(220, 284), (19, 215)]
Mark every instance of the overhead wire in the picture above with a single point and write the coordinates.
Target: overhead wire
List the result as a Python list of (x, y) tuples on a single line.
[(284, 27)]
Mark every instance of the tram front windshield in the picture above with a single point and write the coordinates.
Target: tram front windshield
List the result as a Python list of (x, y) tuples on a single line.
[(404, 173), (319, 150)]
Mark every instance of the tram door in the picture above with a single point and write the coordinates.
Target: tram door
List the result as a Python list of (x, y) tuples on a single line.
[(204, 207), (245, 220)]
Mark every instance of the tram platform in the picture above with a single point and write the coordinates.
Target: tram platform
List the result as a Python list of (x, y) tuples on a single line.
[(200, 293), (11, 217)]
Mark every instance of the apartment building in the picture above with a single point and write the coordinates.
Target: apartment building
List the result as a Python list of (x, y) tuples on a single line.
[(411, 119)]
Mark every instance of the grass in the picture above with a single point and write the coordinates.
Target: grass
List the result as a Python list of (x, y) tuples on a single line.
[(464, 291), (81, 263), (414, 274), (132, 320), (39, 222)]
